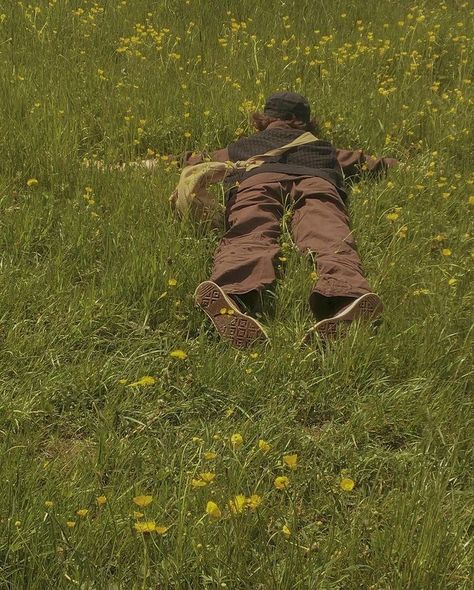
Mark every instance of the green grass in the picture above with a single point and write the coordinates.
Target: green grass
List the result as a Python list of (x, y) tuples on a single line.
[(85, 303)]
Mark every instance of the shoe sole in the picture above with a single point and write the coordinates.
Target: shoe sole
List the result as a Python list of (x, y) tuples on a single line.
[(367, 307), (239, 329)]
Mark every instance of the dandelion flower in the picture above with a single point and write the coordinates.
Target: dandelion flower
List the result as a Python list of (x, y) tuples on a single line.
[(178, 354), (238, 504), (144, 382), (209, 455), (263, 446), (143, 501), (48, 504), (207, 476), (82, 512), (71, 524), (452, 281), (254, 501), (236, 439), (392, 216), (172, 282), (147, 526), (286, 531), (291, 461), (281, 482), (32, 182), (213, 510), (101, 500), (347, 484), (446, 252)]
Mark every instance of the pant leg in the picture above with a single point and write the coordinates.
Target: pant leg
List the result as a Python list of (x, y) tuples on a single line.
[(244, 260), (321, 226)]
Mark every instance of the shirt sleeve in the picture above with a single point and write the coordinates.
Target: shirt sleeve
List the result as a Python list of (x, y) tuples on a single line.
[(192, 158), (355, 163)]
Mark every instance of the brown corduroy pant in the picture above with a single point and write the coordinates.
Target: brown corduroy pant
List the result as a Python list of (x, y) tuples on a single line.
[(245, 258)]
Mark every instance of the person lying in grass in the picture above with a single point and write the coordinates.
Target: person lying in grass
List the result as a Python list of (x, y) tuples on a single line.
[(312, 178)]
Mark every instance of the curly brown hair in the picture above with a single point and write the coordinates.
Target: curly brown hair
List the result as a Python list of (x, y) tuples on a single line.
[(261, 121)]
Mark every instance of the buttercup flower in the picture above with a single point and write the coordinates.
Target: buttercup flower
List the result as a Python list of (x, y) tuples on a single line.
[(146, 526), (291, 461), (207, 476), (198, 483), (144, 382), (178, 354), (82, 512), (238, 504), (347, 484), (263, 446), (236, 439), (281, 482), (254, 501), (143, 501), (213, 510)]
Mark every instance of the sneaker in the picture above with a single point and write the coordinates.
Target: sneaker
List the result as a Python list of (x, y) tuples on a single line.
[(239, 329), (367, 307)]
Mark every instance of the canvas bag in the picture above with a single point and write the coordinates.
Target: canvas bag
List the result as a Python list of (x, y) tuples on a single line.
[(191, 196)]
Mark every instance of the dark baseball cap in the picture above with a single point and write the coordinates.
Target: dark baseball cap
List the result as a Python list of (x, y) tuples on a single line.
[(283, 104)]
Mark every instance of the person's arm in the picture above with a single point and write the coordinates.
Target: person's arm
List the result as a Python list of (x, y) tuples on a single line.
[(191, 158), (355, 163)]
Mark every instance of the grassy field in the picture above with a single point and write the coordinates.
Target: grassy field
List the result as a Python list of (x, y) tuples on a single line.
[(137, 451)]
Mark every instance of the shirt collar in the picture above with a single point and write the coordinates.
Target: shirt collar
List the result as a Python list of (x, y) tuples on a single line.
[(279, 123)]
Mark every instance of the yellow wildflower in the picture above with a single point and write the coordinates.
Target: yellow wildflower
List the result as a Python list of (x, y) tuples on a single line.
[(213, 510), (82, 512), (147, 526), (446, 252), (392, 216), (32, 182), (198, 440), (281, 482), (290, 461), (238, 504), (48, 504), (71, 524), (143, 501), (207, 476), (178, 354), (101, 500), (254, 501), (286, 531), (471, 200), (263, 446), (137, 514), (172, 282), (144, 382), (161, 530), (236, 439), (209, 455), (198, 483), (347, 484), (452, 281)]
